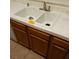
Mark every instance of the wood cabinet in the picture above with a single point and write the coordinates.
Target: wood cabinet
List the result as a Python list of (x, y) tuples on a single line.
[(60, 42), (56, 52), (38, 33), (58, 49), (41, 42), (20, 33), (21, 37), (38, 43)]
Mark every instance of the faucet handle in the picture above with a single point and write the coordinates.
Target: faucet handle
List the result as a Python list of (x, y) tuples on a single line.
[(48, 8), (27, 4)]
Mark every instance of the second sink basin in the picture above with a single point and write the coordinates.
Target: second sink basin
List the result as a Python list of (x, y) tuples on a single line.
[(48, 18)]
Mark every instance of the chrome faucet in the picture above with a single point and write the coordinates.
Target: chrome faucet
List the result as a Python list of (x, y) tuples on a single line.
[(45, 8)]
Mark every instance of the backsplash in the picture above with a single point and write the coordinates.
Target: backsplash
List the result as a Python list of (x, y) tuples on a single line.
[(64, 2), (59, 2), (54, 7)]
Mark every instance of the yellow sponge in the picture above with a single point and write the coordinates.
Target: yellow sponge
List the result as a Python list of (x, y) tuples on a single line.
[(32, 21)]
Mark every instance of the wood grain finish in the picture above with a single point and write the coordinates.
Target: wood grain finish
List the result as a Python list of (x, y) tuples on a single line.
[(38, 33), (39, 45), (21, 37), (58, 48), (60, 42), (18, 25), (20, 33), (56, 52), (40, 42)]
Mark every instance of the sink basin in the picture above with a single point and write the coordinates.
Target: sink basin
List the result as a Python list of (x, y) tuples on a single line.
[(29, 12), (48, 19)]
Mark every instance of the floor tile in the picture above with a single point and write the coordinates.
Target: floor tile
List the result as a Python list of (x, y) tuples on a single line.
[(33, 55), (17, 51)]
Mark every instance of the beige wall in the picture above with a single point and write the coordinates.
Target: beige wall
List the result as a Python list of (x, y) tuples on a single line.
[(64, 2)]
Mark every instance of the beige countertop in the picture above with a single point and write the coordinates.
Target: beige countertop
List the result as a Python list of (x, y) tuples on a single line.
[(60, 28)]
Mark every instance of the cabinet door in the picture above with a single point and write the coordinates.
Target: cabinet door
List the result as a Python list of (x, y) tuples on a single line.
[(56, 52), (38, 45), (21, 36)]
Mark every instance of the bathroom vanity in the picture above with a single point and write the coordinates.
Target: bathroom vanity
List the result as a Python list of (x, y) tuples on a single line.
[(43, 43), (48, 37)]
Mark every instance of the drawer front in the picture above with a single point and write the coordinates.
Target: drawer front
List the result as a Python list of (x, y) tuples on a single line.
[(18, 25), (38, 33), (60, 42)]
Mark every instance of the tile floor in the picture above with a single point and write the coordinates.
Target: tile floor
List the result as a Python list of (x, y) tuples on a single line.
[(19, 52)]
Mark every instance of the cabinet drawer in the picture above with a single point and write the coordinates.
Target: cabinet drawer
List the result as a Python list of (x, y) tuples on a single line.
[(38, 33), (17, 25), (60, 42)]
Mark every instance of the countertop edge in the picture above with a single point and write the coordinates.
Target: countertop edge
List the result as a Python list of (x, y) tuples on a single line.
[(50, 33)]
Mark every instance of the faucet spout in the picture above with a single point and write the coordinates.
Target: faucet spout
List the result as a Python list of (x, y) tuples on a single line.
[(45, 8)]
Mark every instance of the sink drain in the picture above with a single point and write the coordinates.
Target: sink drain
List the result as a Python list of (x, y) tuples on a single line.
[(47, 24)]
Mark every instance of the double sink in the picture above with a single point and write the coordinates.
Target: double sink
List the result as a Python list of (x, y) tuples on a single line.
[(45, 18)]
